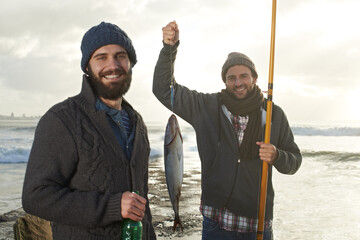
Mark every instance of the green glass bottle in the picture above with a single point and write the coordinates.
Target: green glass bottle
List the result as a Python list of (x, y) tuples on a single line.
[(131, 230)]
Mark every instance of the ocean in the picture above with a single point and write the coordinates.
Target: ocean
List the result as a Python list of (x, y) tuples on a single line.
[(321, 201)]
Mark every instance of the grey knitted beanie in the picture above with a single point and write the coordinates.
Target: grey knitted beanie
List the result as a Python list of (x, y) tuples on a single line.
[(105, 34), (236, 58)]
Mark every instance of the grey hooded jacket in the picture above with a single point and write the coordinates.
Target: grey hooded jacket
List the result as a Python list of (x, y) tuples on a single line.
[(226, 181)]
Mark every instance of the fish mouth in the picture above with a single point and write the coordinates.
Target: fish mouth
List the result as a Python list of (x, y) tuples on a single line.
[(172, 129)]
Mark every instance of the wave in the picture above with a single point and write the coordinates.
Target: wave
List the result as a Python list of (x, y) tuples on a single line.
[(18, 129), (301, 130), (332, 156), (14, 155), (21, 155), (24, 129), (326, 131)]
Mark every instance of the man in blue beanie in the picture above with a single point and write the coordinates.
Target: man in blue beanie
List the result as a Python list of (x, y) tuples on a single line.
[(91, 151)]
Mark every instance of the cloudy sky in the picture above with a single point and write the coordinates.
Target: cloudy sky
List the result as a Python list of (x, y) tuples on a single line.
[(317, 56)]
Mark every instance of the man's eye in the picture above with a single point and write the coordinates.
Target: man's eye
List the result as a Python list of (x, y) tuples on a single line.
[(122, 56)]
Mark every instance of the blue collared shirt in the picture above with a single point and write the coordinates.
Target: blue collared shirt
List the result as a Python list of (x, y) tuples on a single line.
[(116, 118)]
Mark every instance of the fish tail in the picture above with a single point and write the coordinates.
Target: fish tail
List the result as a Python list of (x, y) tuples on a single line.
[(177, 221)]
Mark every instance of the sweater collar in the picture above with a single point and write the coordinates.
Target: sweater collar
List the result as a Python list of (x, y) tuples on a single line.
[(87, 95)]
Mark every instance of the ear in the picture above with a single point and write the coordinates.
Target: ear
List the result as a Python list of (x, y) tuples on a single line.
[(87, 68)]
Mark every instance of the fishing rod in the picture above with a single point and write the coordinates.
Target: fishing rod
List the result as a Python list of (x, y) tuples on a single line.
[(171, 81), (265, 166)]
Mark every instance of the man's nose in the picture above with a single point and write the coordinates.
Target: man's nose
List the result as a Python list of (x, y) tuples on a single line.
[(113, 63), (237, 81)]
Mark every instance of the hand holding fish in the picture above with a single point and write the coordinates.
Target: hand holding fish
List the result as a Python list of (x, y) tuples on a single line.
[(171, 33), (132, 206), (267, 152)]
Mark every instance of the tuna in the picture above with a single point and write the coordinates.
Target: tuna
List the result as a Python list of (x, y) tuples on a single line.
[(174, 165)]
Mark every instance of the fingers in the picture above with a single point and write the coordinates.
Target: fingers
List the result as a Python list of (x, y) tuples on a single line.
[(171, 33), (267, 152), (133, 206)]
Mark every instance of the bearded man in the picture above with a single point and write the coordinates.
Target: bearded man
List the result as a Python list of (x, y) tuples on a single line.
[(91, 151), (229, 127)]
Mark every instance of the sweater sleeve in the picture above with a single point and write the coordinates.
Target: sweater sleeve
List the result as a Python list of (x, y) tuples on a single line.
[(290, 158), (163, 74), (188, 104), (46, 192)]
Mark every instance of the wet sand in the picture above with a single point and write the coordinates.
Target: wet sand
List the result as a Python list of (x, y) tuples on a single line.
[(161, 208)]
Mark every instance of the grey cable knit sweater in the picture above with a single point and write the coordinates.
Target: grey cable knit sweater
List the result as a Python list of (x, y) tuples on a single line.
[(226, 182), (77, 172)]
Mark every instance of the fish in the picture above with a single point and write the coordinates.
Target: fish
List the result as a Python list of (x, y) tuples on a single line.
[(174, 165)]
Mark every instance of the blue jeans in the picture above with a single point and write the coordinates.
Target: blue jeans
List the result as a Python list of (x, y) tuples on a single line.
[(211, 231)]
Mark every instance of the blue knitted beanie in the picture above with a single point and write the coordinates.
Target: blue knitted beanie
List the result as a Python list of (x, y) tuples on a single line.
[(101, 35)]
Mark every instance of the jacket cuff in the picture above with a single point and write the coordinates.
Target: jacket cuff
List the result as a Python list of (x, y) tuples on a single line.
[(167, 47), (278, 160), (113, 210)]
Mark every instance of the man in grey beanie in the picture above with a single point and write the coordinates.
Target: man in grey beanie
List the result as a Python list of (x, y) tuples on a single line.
[(229, 127), (91, 151)]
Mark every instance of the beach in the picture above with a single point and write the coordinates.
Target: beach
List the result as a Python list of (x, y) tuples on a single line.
[(321, 201)]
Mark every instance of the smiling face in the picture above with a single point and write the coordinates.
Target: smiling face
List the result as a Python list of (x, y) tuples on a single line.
[(110, 72), (239, 81)]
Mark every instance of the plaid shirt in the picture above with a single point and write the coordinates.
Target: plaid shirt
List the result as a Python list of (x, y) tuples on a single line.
[(226, 219), (239, 123)]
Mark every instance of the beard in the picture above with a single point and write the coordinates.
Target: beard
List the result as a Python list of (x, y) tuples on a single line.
[(113, 91)]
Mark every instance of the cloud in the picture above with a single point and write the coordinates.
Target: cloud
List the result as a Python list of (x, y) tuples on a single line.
[(319, 65), (316, 47)]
